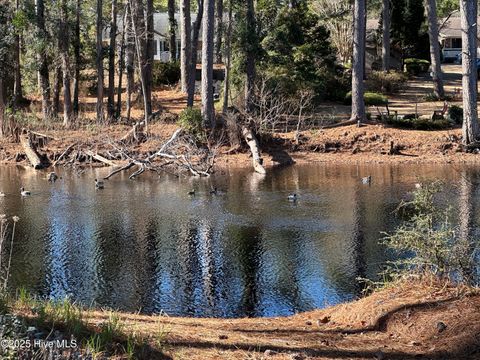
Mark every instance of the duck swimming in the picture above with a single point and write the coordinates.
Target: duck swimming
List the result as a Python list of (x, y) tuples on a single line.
[(24, 192), (367, 180), (292, 197), (99, 184)]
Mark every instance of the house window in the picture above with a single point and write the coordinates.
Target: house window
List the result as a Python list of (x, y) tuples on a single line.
[(155, 47), (457, 43)]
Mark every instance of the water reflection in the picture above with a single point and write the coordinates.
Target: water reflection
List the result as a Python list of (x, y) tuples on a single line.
[(146, 245)]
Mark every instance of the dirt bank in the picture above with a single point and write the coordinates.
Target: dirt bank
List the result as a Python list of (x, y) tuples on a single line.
[(410, 320), (349, 144)]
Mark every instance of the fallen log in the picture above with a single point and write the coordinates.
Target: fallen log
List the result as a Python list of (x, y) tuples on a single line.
[(30, 150), (99, 158), (254, 149)]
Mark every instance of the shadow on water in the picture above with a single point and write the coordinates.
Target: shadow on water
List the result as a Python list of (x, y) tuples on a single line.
[(245, 251)]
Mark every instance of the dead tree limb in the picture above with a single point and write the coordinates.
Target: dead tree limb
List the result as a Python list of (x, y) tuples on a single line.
[(255, 150), (67, 150)]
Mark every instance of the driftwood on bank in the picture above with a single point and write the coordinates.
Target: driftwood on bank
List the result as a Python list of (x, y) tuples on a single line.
[(99, 158), (30, 150), (62, 155), (180, 153), (252, 142)]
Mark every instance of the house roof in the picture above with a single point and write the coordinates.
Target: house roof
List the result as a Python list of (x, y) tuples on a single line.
[(450, 27), (162, 26)]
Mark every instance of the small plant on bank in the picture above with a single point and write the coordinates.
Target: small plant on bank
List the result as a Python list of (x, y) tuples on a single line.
[(428, 241), (191, 121)]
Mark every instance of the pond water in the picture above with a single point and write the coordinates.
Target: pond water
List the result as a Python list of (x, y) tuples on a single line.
[(146, 245)]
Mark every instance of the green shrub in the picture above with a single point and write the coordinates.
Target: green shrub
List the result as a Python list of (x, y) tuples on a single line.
[(429, 242), (386, 82), (408, 122), (190, 119), (371, 99), (455, 114), (416, 66), (167, 73)]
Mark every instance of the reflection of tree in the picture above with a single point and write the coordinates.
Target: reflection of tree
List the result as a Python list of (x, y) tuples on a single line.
[(248, 247), (465, 205)]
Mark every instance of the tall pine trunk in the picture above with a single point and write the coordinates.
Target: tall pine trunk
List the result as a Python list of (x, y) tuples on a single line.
[(111, 63), (250, 58), (358, 61), (172, 30), (149, 56), (207, 63), (64, 47), (185, 43), (17, 86), (468, 15), (228, 55), (130, 57), (57, 86), (139, 32), (437, 75), (121, 64), (99, 62), (76, 59), (386, 14), (42, 59), (193, 55), (218, 31)]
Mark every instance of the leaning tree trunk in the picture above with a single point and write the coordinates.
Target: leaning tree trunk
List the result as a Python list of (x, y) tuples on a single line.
[(185, 43), (42, 59), (386, 35), (76, 57), (207, 63), (172, 30), (437, 75), (17, 87), (228, 54), (358, 103), (468, 15), (64, 46), (149, 56), (193, 55), (218, 31), (111, 63), (250, 58), (99, 62)]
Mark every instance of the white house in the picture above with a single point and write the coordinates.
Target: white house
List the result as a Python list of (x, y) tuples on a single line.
[(451, 37), (161, 28)]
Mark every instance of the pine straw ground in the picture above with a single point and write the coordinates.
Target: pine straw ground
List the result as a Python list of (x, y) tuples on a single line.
[(399, 322)]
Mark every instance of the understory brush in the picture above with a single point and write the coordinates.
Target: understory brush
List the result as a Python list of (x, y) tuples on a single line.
[(430, 242)]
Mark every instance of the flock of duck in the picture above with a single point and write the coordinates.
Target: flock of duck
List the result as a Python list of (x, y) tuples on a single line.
[(100, 184)]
